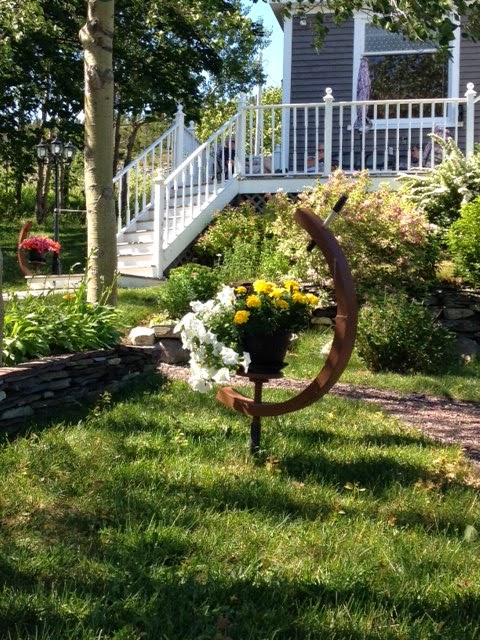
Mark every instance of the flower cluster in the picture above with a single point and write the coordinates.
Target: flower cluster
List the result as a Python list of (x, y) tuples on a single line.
[(213, 330), (266, 307), (41, 244), (211, 360)]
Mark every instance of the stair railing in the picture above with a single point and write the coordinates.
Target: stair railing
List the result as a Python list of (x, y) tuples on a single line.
[(134, 184), (182, 195)]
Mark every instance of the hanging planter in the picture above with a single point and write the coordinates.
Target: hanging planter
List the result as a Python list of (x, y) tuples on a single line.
[(36, 258), (267, 351), (37, 248)]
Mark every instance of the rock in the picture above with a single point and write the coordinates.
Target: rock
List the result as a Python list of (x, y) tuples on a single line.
[(467, 347), (164, 331), (457, 314), (172, 352), (142, 336)]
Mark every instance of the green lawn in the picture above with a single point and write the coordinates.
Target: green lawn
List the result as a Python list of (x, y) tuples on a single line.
[(147, 518), (460, 383)]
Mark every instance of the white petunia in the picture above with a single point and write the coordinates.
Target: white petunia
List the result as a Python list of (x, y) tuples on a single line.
[(229, 356), (222, 376)]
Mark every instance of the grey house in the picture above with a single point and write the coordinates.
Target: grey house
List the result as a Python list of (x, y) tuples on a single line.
[(368, 99), (361, 62)]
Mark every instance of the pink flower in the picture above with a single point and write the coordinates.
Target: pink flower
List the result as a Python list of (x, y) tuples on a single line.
[(40, 244)]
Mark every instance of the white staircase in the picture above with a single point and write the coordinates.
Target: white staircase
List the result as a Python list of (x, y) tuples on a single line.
[(167, 196)]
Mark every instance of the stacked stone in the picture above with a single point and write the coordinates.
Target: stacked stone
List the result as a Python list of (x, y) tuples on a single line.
[(34, 388)]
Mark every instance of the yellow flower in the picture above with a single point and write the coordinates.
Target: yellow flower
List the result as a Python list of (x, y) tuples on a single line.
[(241, 317), (313, 300), (277, 292), (69, 296), (281, 304), (261, 286), (253, 302), (241, 290), (299, 297), (291, 285)]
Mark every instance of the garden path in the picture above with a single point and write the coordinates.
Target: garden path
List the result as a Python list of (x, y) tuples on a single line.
[(449, 421)]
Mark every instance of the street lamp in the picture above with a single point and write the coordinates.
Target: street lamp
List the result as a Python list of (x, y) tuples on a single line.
[(57, 153)]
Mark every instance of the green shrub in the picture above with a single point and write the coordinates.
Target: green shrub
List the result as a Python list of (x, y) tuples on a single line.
[(398, 334), (389, 245), (49, 325), (185, 284), (228, 226), (441, 191), (463, 240)]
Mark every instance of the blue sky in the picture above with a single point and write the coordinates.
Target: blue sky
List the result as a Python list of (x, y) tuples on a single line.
[(273, 54)]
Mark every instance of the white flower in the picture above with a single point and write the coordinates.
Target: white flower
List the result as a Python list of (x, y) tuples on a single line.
[(222, 376), (245, 362), (226, 296), (229, 356)]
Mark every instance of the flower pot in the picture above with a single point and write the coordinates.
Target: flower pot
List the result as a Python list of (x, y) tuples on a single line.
[(36, 258), (267, 351)]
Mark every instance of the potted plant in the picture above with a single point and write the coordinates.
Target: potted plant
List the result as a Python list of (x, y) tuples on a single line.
[(247, 326), (37, 247)]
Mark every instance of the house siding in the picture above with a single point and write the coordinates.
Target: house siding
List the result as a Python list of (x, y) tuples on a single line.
[(470, 72), (313, 71)]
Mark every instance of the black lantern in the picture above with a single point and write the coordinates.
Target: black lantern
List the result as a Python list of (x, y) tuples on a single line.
[(57, 153)]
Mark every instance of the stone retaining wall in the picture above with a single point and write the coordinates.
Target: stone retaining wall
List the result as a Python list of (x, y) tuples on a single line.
[(458, 309), (37, 388)]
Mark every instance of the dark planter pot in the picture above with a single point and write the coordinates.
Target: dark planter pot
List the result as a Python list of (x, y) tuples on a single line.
[(267, 351), (36, 258)]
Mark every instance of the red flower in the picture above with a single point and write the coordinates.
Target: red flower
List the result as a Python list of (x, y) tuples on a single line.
[(40, 244)]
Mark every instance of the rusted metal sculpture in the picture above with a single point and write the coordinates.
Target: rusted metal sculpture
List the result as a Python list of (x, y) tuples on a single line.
[(343, 340), (24, 231)]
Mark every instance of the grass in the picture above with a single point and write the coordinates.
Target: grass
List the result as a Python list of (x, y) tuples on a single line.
[(146, 518), (460, 383)]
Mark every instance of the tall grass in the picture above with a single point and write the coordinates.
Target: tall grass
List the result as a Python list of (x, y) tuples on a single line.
[(147, 518)]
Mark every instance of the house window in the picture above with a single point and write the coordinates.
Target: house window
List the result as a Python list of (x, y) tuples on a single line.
[(400, 69)]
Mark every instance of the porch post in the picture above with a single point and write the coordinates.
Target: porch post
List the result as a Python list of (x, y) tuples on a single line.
[(470, 119), (158, 223), (179, 142), (327, 132), (240, 135)]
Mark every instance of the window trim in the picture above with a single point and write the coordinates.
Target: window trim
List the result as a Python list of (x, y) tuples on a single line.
[(360, 20)]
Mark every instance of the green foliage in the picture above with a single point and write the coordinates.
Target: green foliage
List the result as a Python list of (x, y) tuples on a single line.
[(185, 284), (401, 335), (389, 245), (52, 324), (463, 239), (228, 225), (441, 191)]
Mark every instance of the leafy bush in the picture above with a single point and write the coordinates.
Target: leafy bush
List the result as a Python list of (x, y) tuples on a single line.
[(230, 225), (186, 283), (401, 335), (441, 191), (463, 239), (389, 245), (48, 325)]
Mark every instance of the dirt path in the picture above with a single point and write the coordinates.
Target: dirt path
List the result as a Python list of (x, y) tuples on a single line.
[(449, 421)]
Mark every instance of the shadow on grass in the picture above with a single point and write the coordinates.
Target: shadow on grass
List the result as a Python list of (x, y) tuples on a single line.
[(148, 602)]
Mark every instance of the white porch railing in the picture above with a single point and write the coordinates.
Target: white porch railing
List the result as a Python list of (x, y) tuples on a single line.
[(374, 135), (183, 178)]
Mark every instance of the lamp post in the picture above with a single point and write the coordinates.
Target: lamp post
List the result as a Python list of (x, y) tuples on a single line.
[(57, 153)]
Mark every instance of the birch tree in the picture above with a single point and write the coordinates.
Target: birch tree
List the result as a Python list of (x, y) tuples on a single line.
[(96, 38)]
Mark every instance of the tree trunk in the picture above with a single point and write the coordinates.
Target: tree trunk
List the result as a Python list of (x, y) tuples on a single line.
[(118, 138), (97, 40), (1, 307)]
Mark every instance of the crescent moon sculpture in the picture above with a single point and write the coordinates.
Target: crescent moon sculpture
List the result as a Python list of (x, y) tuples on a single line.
[(24, 231), (342, 345)]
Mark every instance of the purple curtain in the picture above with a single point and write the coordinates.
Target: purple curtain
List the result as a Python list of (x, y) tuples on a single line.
[(363, 123)]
